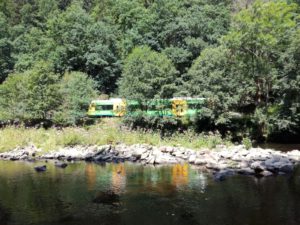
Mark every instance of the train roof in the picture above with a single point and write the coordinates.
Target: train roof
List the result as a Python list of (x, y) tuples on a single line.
[(112, 101)]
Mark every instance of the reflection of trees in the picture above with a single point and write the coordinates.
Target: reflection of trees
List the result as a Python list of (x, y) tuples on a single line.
[(180, 174), (118, 180), (4, 216), (90, 173)]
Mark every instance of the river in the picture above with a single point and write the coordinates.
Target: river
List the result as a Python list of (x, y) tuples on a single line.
[(131, 194)]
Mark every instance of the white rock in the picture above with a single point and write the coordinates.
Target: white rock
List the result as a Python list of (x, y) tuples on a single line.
[(192, 158)]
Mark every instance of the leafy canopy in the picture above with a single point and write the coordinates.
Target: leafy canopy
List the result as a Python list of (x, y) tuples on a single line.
[(147, 74)]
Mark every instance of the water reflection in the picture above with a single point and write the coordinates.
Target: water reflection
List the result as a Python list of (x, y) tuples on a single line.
[(180, 175), (118, 181), (90, 173), (131, 194)]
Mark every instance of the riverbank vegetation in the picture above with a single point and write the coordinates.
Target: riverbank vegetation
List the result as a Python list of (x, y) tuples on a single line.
[(56, 55), (108, 131)]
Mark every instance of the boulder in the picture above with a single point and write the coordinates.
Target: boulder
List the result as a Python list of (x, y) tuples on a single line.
[(166, 149), (294, 155), (286, 167), (145, 155), (150, 160), (226, 154), (266, 173), (244, 164), (279, 164), (164, 159), (246, 171), (222, 175), (192, 158), (61, 164), (212, 165), (200, 161), (139, 152), (40, 168), (258, 166)]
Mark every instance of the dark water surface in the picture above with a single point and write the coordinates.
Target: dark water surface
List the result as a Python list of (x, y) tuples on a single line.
[(89, 194)]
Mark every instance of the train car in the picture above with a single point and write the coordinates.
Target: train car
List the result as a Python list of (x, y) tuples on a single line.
[(117, 107)]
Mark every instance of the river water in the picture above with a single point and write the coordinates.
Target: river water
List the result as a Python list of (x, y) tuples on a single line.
[(131, 194)]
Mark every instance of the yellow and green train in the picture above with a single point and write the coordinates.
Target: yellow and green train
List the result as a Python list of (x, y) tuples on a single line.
[(117, 107)]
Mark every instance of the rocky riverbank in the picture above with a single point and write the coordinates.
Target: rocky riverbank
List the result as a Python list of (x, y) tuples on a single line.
[(222, 160)]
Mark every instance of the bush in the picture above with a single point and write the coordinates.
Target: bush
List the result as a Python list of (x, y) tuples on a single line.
[(31, 95), (247, 143), (77, 90), (165, 125), (147, 75)]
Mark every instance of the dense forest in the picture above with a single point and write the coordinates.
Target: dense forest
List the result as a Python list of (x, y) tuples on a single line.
[(243, 56)]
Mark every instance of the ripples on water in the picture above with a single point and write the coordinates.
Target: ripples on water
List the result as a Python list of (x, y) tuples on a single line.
[(90, 194)]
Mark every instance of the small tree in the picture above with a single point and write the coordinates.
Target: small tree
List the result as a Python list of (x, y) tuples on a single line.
[(258, 36), (77, 90), (13, 102), (42, 94), (214, 76), (32, 95), (146, 75), (6, 60)]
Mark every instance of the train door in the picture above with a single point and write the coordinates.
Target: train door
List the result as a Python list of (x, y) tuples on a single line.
[(179, 107), (120, 108)]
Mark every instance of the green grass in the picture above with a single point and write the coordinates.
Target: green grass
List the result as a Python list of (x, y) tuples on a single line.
[(106, 132)]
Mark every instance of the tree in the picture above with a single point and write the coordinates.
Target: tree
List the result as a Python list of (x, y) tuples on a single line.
[(147, 75), (287, 118), (77, 90), (185, 28), (13, 102), (214, 76), (103, 62), (31, 95), (258, 37), (81, 44), (42, 94), (31, 47), (6, 49)]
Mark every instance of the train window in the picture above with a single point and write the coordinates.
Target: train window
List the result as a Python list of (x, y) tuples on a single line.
[(104, 107), (194, 106)]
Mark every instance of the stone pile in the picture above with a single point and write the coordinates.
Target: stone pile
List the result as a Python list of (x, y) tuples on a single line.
[(222, 160)]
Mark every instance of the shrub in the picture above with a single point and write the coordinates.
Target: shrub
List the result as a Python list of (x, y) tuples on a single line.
[(77, 90), (31, 95)]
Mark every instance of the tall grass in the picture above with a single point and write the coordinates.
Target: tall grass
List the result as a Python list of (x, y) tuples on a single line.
[(107, 132)]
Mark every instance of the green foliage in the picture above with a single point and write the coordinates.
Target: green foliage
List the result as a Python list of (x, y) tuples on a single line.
[(30, 95), (96, 36), (146, 75), (214, 75), (251, 75), (258, 37), (107, 132), (39, 95), (6, 61), (13, 103), (165, 125), (77, 90), (42, 94), (243, 56), (247, 143)]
